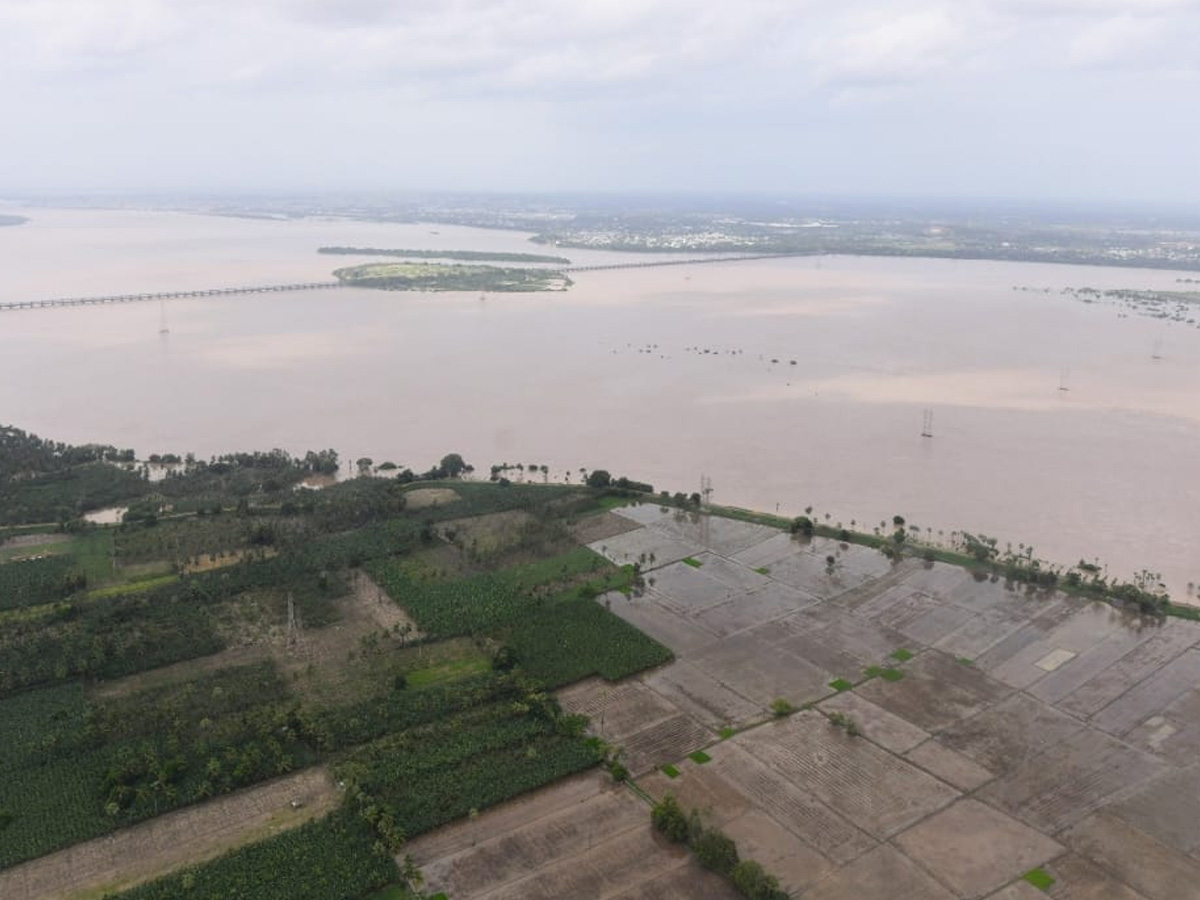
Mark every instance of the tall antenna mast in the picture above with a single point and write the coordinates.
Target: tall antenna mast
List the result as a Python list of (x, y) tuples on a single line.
[(1157, 354), (927, 423), (162, 317), (1064, 379)]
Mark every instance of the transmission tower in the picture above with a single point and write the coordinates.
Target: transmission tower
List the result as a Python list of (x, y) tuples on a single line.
[(927, 423), (1064, 379), (1157, 354), (706, 490), (293, 626)]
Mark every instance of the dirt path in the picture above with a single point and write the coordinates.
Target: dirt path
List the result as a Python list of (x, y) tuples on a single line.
[(368, 600), (33, 540), (170, 842), (187, 670)]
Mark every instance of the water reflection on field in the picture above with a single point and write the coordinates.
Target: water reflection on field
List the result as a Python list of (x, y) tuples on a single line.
[(614, 374)]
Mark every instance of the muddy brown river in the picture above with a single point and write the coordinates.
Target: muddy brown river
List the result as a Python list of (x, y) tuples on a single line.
[(790, 383)]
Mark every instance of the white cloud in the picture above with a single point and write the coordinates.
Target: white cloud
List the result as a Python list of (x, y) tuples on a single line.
[(660, 85)]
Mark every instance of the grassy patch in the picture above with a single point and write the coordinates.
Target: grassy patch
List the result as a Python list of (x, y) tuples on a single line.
[(840, 684), (94, 555), (1191, 613), (902, 655), (886, 674), (781, 707), (610, 502), (727, 732), (448, 671), (763, 570), (133, 587), (670, 771), (699, 757), (1039, 878), (692, 561), (965, 661), (53, 548)]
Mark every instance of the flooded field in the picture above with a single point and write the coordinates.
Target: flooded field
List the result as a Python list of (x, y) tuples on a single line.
[(953, 734), (790, 383), (941, 737)]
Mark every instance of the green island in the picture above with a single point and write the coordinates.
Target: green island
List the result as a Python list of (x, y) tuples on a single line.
[(461, 255), (395, 654), (438, 277)]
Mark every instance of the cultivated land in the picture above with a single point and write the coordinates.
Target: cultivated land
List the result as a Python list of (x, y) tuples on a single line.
[(862, 726), (1000, 729), (184, 838)]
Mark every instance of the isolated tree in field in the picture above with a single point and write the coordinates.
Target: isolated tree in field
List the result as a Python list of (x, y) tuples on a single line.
[(802, 525), (669, 818), (716, 850), (753, 882)]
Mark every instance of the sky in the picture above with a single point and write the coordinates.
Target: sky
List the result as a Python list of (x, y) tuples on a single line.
[(1095, 100)]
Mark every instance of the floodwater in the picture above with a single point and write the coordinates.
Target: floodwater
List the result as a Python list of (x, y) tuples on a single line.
[(613, 374)]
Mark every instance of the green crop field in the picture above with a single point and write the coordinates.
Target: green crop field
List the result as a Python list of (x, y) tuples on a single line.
[(424, 691)]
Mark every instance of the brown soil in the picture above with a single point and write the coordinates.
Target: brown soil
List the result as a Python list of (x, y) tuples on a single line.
[(188, 670), (318, 661), (173, 841), (423, 497), (34, 540), (601, 527), (208, 563)]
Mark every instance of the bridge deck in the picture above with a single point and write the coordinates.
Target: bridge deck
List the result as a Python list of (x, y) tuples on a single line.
[(169, 295)]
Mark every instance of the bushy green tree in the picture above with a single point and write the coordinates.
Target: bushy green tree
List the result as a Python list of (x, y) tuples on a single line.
[(716, 850), (599, 479), (669, 818), (754, 883)]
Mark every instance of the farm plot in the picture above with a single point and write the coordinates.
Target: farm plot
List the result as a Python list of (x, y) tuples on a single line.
[(431, 775), (183, 838), (726, 537), (645, 546), (990, 694), (77, 769), (477, 604), (577, 639), (1060, 786), (31, 582), (582, 837), (936, 692), (880, 793)]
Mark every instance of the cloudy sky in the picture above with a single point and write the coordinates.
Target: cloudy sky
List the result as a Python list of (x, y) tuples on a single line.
[(1076, 99)]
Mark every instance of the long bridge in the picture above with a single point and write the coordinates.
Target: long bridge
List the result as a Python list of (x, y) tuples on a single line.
[(169, 295), (321, 285), (691, 261)]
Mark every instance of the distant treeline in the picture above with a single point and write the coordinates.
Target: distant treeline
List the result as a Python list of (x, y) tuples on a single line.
[(466, 255)]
